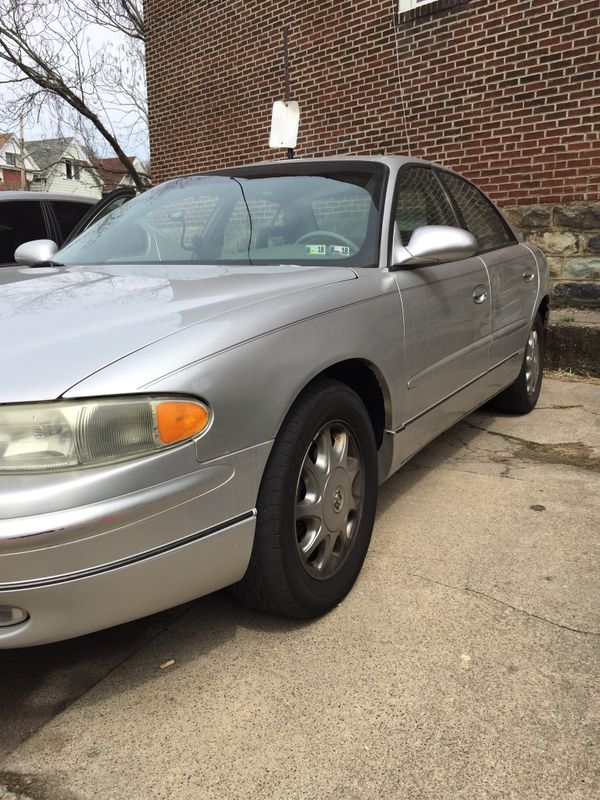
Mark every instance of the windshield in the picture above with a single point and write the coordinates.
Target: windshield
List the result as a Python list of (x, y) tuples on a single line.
[(252, 216)]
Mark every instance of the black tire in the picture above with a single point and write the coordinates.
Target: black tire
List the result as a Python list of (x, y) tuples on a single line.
[(277, 580), (517, 398)]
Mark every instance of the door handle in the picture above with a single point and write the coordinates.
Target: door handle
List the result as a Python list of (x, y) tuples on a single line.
[(528, 276), (479, 295)]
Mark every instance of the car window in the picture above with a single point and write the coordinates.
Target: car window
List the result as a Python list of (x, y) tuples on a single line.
[(266, 230), (20, 221), (108, 207), (479, 215), (68, 214), (346, 213), (256, 217), (420, 200)]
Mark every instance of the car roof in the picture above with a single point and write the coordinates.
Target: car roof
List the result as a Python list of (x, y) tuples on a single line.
[(6, 196), (391, 161)]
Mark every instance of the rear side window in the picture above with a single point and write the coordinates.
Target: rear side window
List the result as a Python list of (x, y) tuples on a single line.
[(68, 214), (479, 215), (420, 200), (20, 221)]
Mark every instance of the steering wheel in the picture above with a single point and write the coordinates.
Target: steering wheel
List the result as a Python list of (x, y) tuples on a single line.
[(332, 235)]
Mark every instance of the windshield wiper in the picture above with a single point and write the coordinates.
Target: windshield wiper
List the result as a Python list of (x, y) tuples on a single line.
[(48, 263)]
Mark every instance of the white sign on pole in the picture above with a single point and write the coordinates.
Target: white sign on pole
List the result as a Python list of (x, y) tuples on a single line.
[(284, 124)]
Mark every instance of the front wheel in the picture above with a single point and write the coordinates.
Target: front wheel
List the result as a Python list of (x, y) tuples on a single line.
[(522, 395), (316, 506)]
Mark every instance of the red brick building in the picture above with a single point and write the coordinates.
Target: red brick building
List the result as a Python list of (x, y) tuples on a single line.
[(505, 91)]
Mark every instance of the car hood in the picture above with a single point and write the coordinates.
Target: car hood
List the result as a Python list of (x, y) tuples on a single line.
[(59, 325)]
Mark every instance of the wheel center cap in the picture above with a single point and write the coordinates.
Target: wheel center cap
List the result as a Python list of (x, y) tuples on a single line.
[(336, 495), (338, 499)]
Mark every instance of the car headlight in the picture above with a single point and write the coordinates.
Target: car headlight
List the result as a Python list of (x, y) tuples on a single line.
[(67, 434)]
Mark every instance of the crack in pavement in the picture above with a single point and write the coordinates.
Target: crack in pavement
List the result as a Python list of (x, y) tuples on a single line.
[(504, 603), (564, 407), (573, 454)]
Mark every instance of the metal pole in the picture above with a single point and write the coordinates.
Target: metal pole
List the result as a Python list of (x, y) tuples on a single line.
[(286, 64), (286, 73), (22, 153)]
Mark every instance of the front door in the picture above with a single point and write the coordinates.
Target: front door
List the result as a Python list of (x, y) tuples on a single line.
[(446, 306)]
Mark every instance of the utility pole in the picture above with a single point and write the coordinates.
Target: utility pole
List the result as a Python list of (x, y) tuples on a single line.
[(22, 154)]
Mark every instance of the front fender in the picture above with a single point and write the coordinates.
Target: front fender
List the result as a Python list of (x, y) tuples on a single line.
[(251, 386)]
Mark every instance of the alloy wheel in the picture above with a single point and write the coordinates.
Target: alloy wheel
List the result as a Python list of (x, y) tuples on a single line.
[(329, 500)]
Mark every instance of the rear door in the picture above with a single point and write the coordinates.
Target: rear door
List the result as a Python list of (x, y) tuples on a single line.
[(512, 269), (446, 306)]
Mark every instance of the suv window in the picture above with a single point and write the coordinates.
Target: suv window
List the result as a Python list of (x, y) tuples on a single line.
[(420, 200), (20, 221), (68, 214), (479, 215)]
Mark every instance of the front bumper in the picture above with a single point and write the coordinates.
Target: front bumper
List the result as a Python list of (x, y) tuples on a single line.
[(80, 568)]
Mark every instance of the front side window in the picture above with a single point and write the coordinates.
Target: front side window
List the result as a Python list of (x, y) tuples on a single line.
[(479, 215), (68, 214), (420, 200), (11, 159), (20, 221), (271, 215)]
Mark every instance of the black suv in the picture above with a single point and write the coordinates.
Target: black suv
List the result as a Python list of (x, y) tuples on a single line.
[(37, 215)]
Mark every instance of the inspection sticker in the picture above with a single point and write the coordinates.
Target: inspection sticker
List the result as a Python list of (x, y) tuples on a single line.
[(316, 249), (339, 250)]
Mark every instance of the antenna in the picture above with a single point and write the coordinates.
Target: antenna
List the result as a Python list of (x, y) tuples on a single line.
[(402, 103)]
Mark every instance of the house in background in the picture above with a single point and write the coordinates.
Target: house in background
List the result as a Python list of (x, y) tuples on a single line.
[(10, 163), (114, 175), (64, 167)]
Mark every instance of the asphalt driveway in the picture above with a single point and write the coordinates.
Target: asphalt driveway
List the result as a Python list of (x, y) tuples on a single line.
[(465, 663)]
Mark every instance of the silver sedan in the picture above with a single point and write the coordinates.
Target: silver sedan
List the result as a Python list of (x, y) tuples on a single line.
[(205, 388)]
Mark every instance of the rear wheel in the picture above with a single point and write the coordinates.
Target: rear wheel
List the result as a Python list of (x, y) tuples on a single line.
[(316, 506), (522, 395)]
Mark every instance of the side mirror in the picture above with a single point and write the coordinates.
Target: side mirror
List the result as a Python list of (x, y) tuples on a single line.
[(433, 244), (35, 251)]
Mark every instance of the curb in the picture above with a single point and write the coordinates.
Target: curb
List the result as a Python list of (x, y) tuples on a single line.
[(573, 348)]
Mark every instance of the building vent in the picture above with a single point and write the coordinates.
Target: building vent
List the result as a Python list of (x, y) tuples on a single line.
[(409, 5)]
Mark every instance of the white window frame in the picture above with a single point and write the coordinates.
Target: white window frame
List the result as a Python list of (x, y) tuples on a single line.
[(409, 5), (10, 162)]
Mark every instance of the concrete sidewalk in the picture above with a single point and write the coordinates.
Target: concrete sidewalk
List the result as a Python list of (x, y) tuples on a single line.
[(464, 664)]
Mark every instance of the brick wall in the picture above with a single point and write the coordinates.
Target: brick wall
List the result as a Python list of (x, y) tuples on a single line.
[(10, 179), (508, 93)]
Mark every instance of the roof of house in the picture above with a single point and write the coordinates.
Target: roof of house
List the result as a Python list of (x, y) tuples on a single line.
[(47, 152), (4, 138), (111, 170)]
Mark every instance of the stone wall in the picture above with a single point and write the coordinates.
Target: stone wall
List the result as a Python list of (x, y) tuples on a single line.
[(569, 235)]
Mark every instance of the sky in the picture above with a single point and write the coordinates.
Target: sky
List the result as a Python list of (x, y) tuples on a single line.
[(46, 126)]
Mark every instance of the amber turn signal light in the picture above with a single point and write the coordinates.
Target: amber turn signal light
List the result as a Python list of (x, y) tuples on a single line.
[(180, 419)]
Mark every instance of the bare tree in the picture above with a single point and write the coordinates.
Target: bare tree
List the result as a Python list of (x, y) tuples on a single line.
[(125, 16), (50, 60)]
